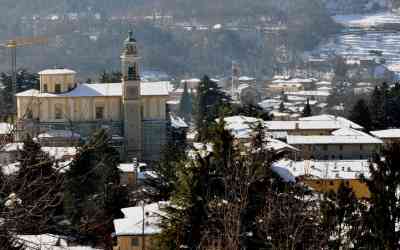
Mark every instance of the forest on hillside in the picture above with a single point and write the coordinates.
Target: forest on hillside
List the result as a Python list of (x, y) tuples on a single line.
[(171, 50)]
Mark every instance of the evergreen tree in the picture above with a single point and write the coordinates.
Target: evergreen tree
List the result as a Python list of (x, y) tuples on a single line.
[(94, 197), (219, 194), (342, 213), (282, 107), (377, 109), (284, 97), (307, 109), (251, 111), (210, 102), (39, 186), (163, 186), (185, 108), (112, 77), (360, 114), (383, 214)]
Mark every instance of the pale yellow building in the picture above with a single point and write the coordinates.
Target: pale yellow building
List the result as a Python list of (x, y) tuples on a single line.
[(132, 111), (139, 227), (326, 176)]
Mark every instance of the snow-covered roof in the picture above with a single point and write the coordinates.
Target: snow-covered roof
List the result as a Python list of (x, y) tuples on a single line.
[(269, 103), (134, 219), (5, 128), (282, 85), (13, 146), (178, 122), (324, 89), (323, 83), (44, 241), (103, 89), (56, 72), (293, 80), (240, 126), (192, 80), (345, 123), (55, 152), (296, 99), (48, 242), (364, 84), (303, 125), (60, 152), (10, 169), (130, 167), (331, 139), (59, 134), (348, 132), (246, 78), (279, 146), (308, 93), (331, 170), (387, 133), (173, 102)]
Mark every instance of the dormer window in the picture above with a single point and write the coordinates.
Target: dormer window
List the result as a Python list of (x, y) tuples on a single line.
[(132, 73)]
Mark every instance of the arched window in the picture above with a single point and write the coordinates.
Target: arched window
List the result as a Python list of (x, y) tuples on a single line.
[(132, 74)]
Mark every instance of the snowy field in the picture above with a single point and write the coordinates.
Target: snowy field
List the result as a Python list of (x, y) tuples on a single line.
[(365, 21), (357, 42)]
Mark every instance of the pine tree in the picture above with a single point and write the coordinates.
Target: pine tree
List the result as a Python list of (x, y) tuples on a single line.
[(282, 107), (185, 108), (383, 214), (360, 114), (210, 102), (163, 186), (341, 217), (377, 109), (112, 77), (93, 190), (39, 186), (307, 109)]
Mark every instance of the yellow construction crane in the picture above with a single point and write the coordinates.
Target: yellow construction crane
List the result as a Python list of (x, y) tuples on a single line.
[(12, 45)]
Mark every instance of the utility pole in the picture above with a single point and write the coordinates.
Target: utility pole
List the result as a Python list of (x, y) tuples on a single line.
[(143, 226)]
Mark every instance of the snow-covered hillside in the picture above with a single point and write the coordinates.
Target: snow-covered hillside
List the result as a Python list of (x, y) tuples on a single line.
[(357, 6)]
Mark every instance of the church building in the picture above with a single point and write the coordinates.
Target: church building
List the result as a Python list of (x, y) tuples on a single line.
[(134, 112)]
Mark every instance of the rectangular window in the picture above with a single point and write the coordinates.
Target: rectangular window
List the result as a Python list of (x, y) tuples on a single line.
[(341, 147), (325, 147), (135, 242), (361, 147), (58, 112), (99, 113), (57, 88), (45, 88)]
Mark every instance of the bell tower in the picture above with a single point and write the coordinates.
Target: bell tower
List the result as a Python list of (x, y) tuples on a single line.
[(131, 98)]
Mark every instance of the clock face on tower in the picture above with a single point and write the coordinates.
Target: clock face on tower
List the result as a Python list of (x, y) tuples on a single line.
[(132, 92)]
